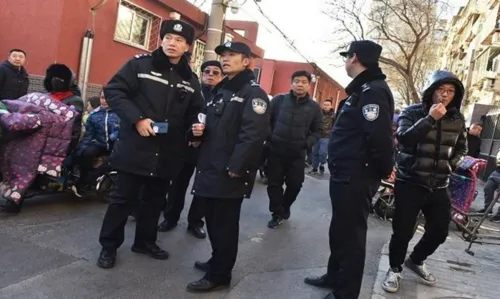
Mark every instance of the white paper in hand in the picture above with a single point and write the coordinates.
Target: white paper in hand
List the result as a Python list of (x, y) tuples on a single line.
[(202, 118)]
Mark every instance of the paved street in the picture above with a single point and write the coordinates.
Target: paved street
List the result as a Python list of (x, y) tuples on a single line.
[(49, 251)]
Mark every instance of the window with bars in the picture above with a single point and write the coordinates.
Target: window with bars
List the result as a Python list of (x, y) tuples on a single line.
[(198, 56), (137, 27)]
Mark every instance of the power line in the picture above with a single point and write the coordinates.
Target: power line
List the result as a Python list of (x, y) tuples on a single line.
[(290, 42)]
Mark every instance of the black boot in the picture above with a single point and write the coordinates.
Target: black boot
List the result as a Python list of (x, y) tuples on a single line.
[(197, 231), (318, 281), (152, 250), (204, 285), (107, 258)]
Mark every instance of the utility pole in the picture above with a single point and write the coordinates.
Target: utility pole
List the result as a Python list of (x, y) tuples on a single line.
[(215, 26)]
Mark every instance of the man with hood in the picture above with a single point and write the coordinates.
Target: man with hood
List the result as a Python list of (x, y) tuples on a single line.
[(14, 79), (432, 142), (360, 154), (158, 100), (211, 76)]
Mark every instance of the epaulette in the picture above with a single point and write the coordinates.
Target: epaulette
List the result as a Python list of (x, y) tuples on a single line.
[(253, 83), (139, 56), (365, 87)]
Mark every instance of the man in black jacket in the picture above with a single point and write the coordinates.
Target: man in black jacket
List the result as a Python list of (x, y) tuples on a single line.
[(360, 154), (296, 125), (237, 123), (212, 75), (14, 80), (473, 140), (157, 98), (432, 142)]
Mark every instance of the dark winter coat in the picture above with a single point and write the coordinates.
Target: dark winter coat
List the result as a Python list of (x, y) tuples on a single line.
[(101, 129), (237, 125), (149, 86), (14, 82), (429, 150), (296, 125)]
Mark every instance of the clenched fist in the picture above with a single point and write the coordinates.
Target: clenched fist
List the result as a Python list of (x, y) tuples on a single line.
[(437, 111)]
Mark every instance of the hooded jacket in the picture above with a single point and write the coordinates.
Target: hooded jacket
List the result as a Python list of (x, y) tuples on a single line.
[(429, 150), (14, 81)]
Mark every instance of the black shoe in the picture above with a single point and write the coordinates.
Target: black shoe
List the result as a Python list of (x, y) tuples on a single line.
[(202, 266), (205, 285), (197, 231), (496, 218), (286, 214), (151, 250), (319, 281), (275, 222), (313, 171), (321, 170), (8, 207), (107, 258), (166, 226)]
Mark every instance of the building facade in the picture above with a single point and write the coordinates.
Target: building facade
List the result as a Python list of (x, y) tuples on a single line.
[(54, 30), (275, 77)]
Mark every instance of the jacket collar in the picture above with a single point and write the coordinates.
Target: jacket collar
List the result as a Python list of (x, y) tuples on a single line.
[(300, 100), (237, 82), (161, 62), (21, 70), (368, 75)]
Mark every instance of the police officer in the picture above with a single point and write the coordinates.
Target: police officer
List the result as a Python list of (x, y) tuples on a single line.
[(236, 126), (212, 75), (360, 155), (157, 99)]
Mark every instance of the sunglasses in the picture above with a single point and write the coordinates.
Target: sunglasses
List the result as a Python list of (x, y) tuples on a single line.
[(208, 72)]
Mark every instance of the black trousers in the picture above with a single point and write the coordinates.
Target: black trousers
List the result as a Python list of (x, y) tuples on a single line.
[(283, 170), (223, 227), (176, 199), (436, 207), (351, 198), (86, 160), (123, 199)]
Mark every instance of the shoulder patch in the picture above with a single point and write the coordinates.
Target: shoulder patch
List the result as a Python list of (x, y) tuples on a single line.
[(365, 87), (139, 56), (259, 106), (371, 112)]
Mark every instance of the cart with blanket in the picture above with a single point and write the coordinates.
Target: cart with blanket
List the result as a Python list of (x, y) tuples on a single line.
[(40, 131), (463, 192)]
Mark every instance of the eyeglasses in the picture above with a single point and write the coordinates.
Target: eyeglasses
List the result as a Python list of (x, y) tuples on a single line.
[(348, 56), (208, 72), (447, 91)]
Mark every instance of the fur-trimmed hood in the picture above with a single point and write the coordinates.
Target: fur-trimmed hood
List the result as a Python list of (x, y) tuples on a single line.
[(60, 71)]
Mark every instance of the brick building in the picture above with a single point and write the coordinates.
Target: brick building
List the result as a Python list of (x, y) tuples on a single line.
[(53, 30), (275, 77)]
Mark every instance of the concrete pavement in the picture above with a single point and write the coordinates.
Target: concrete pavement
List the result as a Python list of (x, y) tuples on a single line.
[(49, 251)]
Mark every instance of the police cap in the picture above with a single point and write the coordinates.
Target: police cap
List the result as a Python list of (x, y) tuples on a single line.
[(179, 28), (366, 51), (236, 47)]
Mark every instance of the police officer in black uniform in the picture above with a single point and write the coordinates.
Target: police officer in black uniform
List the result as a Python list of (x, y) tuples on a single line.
[(236, 126), (360, 154), (157, 99)]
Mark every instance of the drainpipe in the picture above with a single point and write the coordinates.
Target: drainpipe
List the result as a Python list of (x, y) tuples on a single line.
[(337, 101), (315, 87), (85, 58)]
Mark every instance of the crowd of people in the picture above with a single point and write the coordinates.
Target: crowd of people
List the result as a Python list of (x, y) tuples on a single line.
[(159, 126)]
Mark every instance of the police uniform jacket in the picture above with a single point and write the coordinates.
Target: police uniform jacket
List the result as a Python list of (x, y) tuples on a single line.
[(429, 150), (149, 86), (361, 140), (237, 125)]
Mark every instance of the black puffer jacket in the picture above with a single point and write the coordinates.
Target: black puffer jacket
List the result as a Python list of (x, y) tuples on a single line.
[(429, 150), (296, 124)]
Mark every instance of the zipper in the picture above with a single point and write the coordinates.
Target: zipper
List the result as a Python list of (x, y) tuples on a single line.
[(106, 129), (438, 147)]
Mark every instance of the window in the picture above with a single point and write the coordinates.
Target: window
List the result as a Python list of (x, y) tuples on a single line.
[(228, 37), (256, 73), (198, 56), (240, 32), (137, 27)]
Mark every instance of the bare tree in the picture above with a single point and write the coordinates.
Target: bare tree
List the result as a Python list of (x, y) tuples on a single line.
[(405, 28)]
